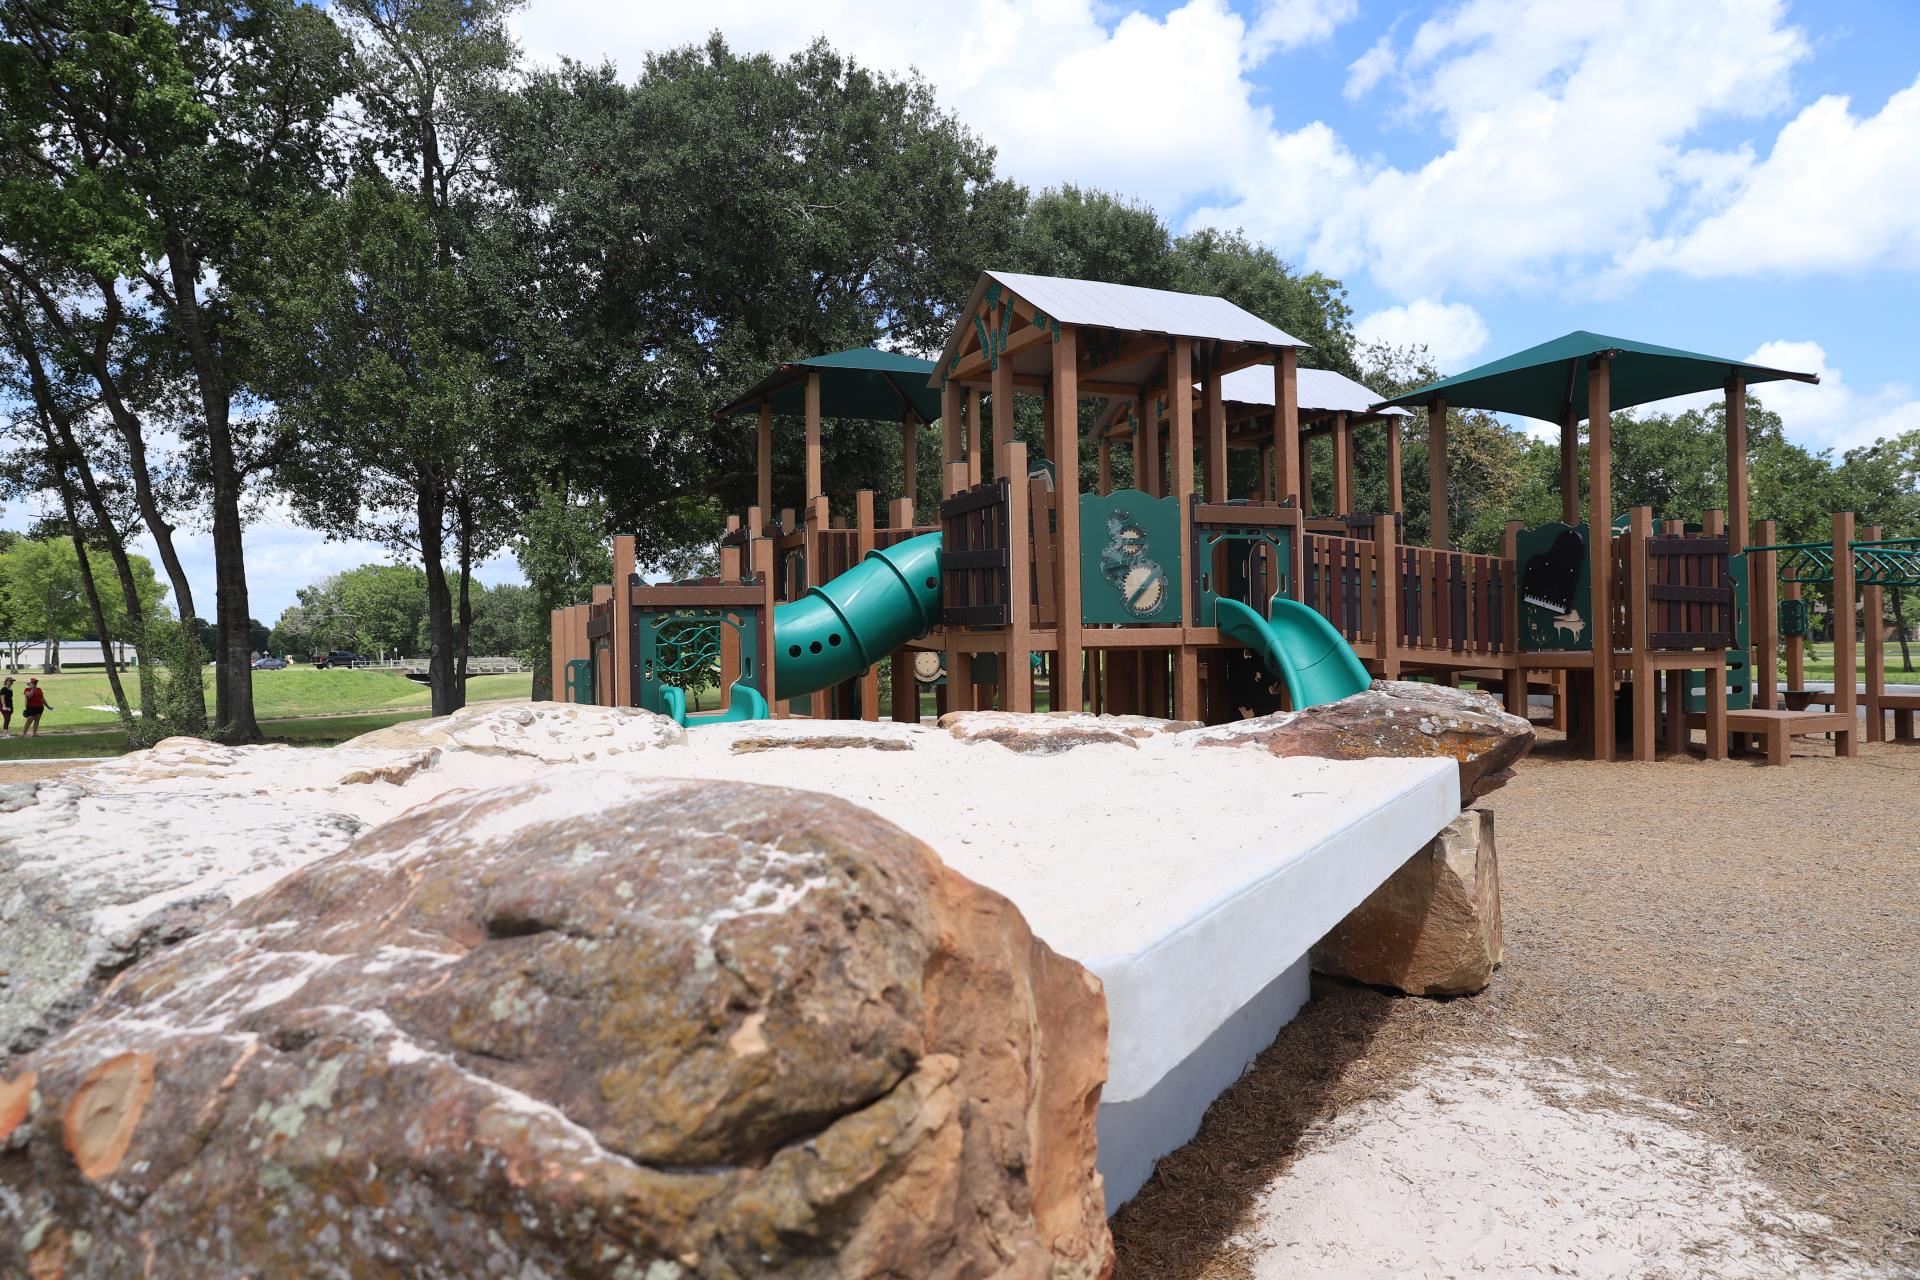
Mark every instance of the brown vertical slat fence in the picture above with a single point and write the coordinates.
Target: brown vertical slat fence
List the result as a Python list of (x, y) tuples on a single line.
[(974, 557), (1447, 601)]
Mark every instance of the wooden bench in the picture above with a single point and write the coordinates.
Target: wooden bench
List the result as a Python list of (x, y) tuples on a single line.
[(1903, 705), (1801, 699), (1775, 727)]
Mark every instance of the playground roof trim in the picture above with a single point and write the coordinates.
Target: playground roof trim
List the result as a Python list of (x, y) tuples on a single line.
[(1542, 381), (1320, 391), (862, 382), (1127, 307)]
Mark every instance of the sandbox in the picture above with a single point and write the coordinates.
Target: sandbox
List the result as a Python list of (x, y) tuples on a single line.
[(1191, 880)]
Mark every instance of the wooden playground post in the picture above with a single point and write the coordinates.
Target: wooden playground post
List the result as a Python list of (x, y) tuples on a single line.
[(760, 559), (1846, 699), (1216, 471), (1570, 464), (604, 686), (959, 686), (906, 691), (910, 455), (1872, 612), (952, 446), (1763, 619), (1001, 433), (1396, 496), (1516, 691), (729, 638), (1342, 466), (1105, 472), (1737, 455), (1639, 530), (1067, 682), (1286, 423), (1147, 478), (1439, 518), (1600, 547), (557, 656), (1016, 674), (1186, 686), (1306, 473), (763, 473), (814, 486), (973, 438), (1387, 599), (620, 688), (862, 544)]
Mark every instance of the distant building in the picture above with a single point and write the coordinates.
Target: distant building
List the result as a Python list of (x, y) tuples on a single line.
[(31, 655)]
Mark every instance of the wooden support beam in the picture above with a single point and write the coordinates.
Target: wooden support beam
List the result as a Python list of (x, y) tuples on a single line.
[(763, 472), (1216, 410), (1286, 423), (1305, 450), (975, 430), (1016, 677), (869, 681), (1002, 406), (1874, 648), (1570, 467), (1600, 547), (1639, 531), (1342, 466), (910, 456), (1396, 496), (620, 693), (1439, 517), (730, 570), (1148, 479), (557, 655), (905, 691), (1106, 466), (1763, 618), (952, 429), (1386, 641), (1737, 454), (1186, 688), (1846, 698), (1065, 429), (1516, 691), (814, 487)]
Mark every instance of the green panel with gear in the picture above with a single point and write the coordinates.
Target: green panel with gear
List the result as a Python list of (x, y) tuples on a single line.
[(1130, 561)]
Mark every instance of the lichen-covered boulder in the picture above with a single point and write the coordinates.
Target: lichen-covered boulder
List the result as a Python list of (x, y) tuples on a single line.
[(1050, 733), (556, 732), (1433, 928), (581, 1026), (1393, 718)]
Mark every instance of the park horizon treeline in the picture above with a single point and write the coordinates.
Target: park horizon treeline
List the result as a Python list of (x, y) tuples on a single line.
[(367, 264)]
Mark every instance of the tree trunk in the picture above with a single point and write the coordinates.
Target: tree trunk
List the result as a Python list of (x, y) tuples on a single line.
[(233, 652), (463, 626), (1900, 625), (92, 590), (440, 662)]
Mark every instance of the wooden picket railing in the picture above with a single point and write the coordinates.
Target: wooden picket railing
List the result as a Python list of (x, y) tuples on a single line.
[(975, 586), (1685, 589), (1436, 602)]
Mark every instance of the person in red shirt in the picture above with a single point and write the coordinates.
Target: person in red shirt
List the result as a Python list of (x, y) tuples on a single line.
[(36, 704)]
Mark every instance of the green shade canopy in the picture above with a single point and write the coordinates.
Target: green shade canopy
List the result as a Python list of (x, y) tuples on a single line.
[(861, 383), (1541, 382)]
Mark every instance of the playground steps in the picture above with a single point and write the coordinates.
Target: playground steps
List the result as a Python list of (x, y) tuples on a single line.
[(1774, 728)]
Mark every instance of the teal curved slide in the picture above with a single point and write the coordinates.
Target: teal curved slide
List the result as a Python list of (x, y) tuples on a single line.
[(842, 627), (1299, 646)]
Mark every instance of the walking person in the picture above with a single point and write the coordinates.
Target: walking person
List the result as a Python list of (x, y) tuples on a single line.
[(36, 704), (6, 707)]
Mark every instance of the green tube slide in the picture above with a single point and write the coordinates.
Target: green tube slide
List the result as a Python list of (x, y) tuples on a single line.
[(1299, 646), (839, 629)]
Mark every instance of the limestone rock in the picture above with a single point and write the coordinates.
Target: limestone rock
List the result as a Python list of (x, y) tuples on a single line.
[(579, 1026), (750, 737), (1049, 733), (555, 732), (1433, 928), (1393, 718)]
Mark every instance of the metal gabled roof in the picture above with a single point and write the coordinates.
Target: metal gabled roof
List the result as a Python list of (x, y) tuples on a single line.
[(1319, 391), (1126, 307)]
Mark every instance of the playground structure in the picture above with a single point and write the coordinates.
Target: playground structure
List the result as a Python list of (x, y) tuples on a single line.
[(1175, 597)]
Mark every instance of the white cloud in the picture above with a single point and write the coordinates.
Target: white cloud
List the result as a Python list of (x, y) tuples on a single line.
[(1365, 72), (1838, 192), (1452, 332), (1159, 108), (1832, 413), (1566, 130)]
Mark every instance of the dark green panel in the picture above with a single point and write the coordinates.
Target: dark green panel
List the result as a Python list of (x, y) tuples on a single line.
[(1130, 562), (1556, 606)]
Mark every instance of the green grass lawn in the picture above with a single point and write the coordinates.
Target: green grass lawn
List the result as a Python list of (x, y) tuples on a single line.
[(298, 705), (1822, 667)]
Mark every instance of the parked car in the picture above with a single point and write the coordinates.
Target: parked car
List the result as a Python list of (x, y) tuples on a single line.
[(340, 658), (269, 664)]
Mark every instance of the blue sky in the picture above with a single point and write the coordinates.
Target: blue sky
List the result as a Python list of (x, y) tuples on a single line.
[(1735, 176)]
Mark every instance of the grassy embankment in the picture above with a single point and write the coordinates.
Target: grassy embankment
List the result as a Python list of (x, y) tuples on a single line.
[(300, 706)]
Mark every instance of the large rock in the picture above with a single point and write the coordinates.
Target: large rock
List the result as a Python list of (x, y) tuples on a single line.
[(1433, 928), (1393, 718), (555, 732), (1050, 733), (579, 1026)]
